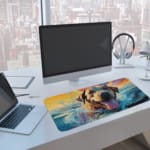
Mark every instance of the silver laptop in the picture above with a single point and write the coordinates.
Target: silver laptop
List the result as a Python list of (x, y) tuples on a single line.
[(15, 117)]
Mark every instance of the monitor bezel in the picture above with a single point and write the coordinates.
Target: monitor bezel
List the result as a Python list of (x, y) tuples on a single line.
[(70, 75)]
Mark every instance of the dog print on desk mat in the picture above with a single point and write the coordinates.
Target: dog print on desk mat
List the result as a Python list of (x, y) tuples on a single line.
[(85, 105)]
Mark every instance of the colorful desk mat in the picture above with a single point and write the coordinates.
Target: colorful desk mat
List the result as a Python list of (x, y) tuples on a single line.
[(79, 107)]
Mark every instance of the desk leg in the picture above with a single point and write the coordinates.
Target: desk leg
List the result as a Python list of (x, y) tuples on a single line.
[(144, 139), (146, 136)]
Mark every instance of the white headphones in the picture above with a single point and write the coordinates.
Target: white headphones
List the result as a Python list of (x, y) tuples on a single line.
[(125, 53)]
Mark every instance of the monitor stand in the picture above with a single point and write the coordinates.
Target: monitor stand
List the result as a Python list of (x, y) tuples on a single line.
[(81, 82)]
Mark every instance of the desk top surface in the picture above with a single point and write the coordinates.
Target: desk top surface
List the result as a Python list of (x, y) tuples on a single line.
[(47, 132)]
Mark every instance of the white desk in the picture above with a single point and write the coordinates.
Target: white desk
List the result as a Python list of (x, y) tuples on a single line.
[(92, 136)]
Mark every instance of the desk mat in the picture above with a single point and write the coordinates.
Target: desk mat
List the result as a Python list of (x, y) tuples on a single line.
[(88, 104)]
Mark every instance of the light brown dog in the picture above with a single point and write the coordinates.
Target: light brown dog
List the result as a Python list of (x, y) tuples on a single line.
[(94, 100)]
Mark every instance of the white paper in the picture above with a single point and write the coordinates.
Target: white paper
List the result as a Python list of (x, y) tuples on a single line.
[(20, 82)]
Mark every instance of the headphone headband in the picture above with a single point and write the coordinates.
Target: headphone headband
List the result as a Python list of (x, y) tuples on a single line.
[(122, 34)]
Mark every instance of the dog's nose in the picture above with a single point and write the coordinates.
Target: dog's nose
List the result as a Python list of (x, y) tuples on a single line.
[(106, 96)]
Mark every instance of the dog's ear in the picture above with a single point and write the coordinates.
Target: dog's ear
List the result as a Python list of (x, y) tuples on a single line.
[(116, 89), (83, 96)]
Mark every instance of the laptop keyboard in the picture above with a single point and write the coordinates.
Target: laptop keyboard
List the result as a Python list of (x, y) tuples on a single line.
[(14, 118)]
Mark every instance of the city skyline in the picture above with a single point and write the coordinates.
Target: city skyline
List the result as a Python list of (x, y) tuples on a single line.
[(19, 39)]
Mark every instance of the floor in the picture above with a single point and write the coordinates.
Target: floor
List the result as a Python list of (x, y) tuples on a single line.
[(129, 144)]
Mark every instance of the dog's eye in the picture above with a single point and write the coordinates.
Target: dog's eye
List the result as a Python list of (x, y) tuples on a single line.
[(91, 92)]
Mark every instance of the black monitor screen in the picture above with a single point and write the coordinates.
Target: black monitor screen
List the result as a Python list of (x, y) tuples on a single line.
[(75, 47)]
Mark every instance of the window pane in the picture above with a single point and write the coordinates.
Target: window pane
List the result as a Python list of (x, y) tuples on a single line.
[(131, 16), (19, 45)]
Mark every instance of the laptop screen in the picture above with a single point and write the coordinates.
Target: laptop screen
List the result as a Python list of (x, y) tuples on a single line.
[(7, 97)]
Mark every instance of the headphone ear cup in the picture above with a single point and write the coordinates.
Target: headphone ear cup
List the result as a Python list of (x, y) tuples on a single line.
[(116, 55), (128, 55)]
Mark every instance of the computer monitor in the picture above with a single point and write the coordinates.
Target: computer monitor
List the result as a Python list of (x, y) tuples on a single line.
[(71, 51)]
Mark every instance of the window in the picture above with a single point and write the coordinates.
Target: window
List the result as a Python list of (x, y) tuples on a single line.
[(131, 16), (19, 45), (19, 21)]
